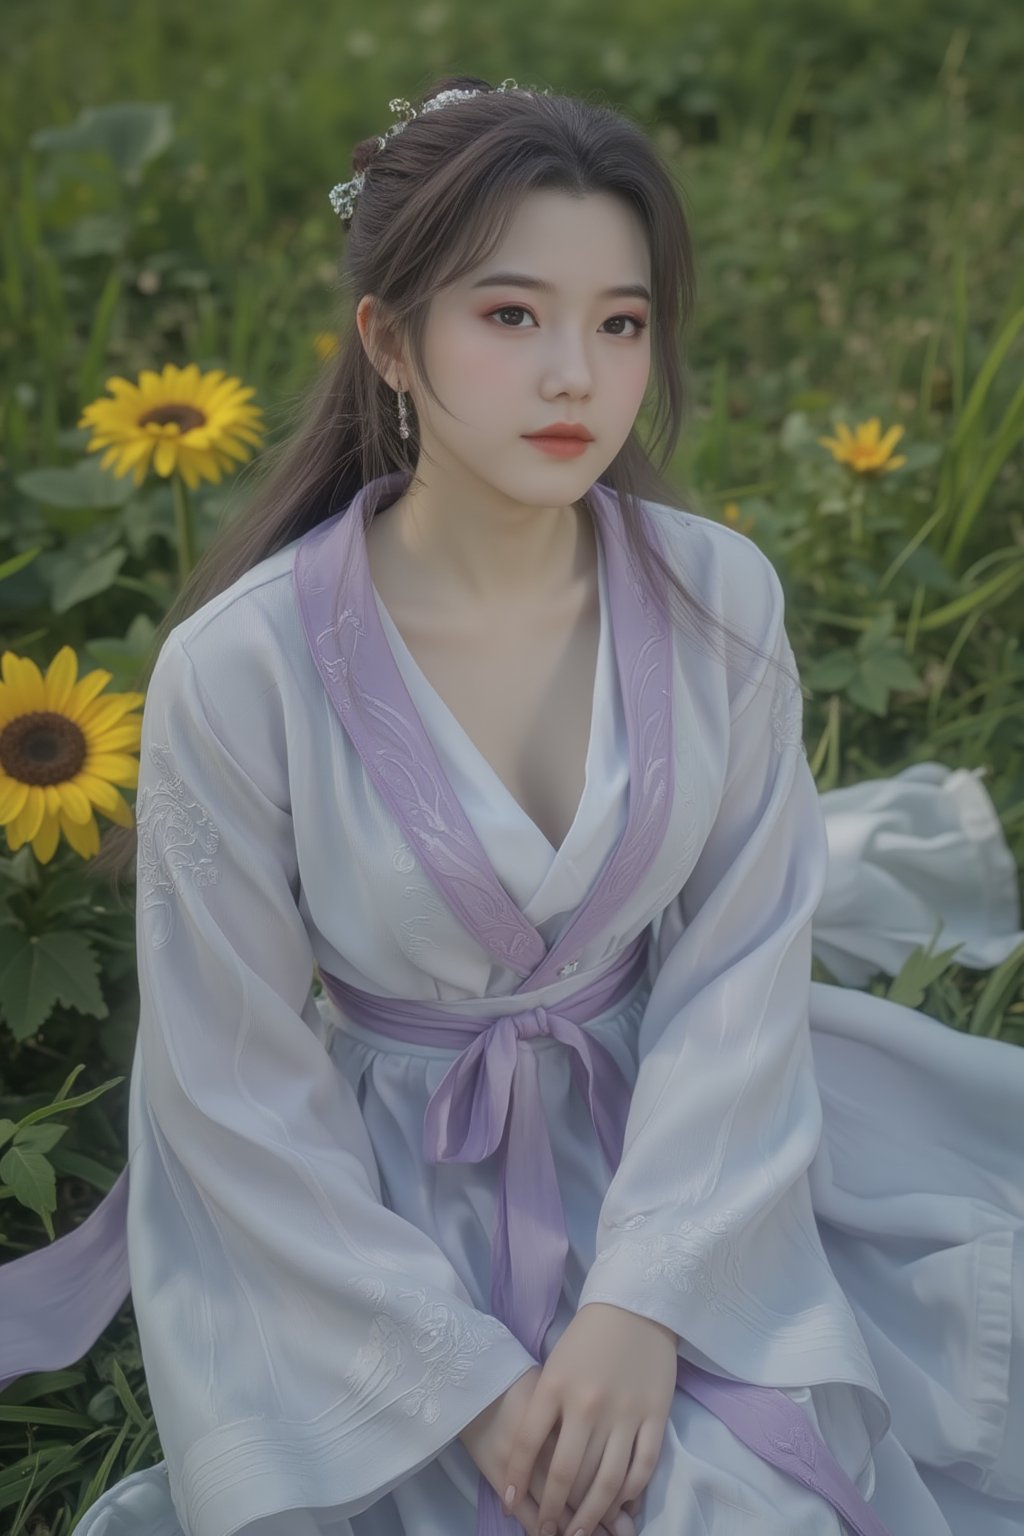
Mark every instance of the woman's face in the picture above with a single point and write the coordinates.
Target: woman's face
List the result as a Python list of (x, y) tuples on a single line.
[(508, 358)]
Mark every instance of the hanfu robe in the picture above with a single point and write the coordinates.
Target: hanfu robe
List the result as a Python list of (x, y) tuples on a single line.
[(820, 1191)]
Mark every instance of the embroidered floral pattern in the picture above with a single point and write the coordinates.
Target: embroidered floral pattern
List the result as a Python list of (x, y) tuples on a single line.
[(177, 841), (801, 1446), (447, 1343), (787, 705), (694, 1256)]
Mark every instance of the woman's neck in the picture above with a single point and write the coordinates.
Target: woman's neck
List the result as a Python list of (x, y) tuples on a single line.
[(491, 556)]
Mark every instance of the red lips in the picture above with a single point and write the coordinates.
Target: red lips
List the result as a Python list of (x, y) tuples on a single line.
[(563, 429)]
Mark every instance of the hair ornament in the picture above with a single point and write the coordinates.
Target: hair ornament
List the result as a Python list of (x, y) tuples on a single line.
[(343, 196)]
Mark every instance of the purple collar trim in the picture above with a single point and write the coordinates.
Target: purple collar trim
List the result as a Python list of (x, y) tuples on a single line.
[(351, 651)]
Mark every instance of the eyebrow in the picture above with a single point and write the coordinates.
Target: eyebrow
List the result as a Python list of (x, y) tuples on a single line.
[(521, 280)]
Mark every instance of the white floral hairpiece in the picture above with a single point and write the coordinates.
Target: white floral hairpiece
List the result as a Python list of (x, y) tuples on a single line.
[(343, 196)]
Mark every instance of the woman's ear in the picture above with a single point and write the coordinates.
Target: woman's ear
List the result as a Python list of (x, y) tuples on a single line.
[(378, 342)]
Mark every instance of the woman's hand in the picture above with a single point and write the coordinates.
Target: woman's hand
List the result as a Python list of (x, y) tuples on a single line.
[(488, 1439), (610, 1379)]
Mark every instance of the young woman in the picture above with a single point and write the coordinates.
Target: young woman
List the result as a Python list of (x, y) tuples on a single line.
[(571, 1179)]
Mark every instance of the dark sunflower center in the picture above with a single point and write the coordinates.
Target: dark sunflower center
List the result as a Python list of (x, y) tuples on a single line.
[(186, 416), (42, 748)]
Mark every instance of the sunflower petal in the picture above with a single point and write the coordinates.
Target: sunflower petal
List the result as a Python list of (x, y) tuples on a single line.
[(118, 737), (103, 713), (121, 387), (105, 797), (60, 677), (75, 805), (118, 767), (85, 691), (165, 458), (100, 791), (188, 472), (84, 839), (890, 439), (13, 795), (27, 823), (44, 843)]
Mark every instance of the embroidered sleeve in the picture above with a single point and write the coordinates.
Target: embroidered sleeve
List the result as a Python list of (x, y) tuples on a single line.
[(297, 1333), (707, 1224)]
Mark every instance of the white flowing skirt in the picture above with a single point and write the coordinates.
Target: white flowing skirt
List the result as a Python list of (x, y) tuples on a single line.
[(917, 1189)]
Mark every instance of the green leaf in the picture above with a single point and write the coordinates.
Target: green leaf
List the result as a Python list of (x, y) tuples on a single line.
[(798, 435), (126, 657), (40, 1138), (18, 562), (832, 671), (869, 692), (78, 486), (1002, 986), (130, 134), (89, 580), (67, 891), (892, 668), (24, 1475), (96, 234), (104, 1406), (31, 1177), (99, 1479), (77, 1165), (924, 568), (878, 631), (68, 1418), (39, 970), (62, 1103), (124, 1392), (919, 970), (40, 1384), (997, 588)]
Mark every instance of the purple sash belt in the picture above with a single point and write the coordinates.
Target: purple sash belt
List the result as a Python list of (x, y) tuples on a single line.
[(489, 1101), (56, 1301)]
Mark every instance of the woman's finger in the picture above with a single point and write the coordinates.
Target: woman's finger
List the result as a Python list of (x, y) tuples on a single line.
[(603, 1495), (586, 1474), (537, 1422), (646, 1451), (570, 1450), (528, 1515)]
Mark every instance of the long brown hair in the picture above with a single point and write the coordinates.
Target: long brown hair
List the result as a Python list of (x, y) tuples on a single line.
[(436, 203)]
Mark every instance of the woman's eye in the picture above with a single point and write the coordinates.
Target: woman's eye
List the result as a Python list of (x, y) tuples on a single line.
[(520, 309), (639, 325), (512, 309)]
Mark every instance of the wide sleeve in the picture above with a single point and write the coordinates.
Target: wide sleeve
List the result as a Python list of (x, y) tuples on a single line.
[(707, 1224), (304, 1346)]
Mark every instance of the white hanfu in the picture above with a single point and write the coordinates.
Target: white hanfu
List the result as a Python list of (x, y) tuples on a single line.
[(820, 1191)]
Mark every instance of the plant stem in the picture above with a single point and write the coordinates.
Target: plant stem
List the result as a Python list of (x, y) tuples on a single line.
[(184, 527), (857, 514)]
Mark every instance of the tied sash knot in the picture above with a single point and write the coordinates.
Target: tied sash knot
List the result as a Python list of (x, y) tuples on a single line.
[(489, 1101)]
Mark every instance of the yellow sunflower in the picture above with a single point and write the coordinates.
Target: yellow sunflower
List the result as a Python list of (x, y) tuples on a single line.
[(180, 419), (325, 344), (864, 452), (742, 523), (62, 750)]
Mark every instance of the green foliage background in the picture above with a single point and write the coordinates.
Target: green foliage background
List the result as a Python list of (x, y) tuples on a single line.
[(852, 176)]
